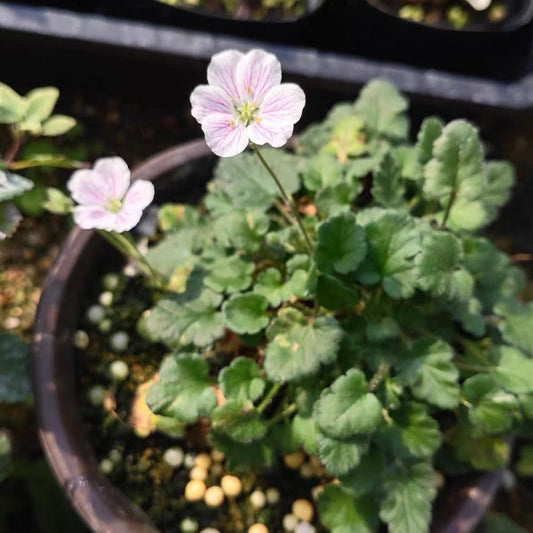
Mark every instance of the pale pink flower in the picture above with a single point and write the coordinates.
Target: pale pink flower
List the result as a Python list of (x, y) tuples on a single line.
[(104, 196), (245, 101)]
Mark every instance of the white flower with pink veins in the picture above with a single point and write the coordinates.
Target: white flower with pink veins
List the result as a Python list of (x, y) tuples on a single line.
[(104, 196), (245, 102)]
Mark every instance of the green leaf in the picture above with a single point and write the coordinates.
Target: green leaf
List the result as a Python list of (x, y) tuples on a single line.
[(304, 433), (340, 512), (388, 188), (483, 453), (336, 199), (339, 456), (409, 493), (57, 125), (364, 478), (12, 105), (428, 369), (439, 268), (269, 283), (430, 130), (10, 218), (384, 329), (246, 313), (346, 407), (230, 274), (490, 409), (173, 251), (340, 244), (299, 346), (413, 432), (242, 229), (500, 181), (57, 202), (183, 389), (524, 465), (470, 315), (180, 320), (241, 380), (333, 293), (13, 185), (173, 216), (41, 104), (382, 109), (515, 325), (322, 170), (239, 420), (248, 184), (5, 456), (393, 242), (513, 371), (14, 371), (347, 139), (457, 165)]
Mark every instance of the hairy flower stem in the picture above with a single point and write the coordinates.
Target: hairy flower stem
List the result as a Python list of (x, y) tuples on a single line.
[(379, 376), (125, 244), (286, 412), (449, 205), (286, 196), (266, 400)]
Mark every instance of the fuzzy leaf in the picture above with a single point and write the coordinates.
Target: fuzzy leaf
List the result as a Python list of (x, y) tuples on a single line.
[(388, 188), (322, 170), (269, 283), (339, 456), (457, 164), (346, 408), (500, 180), (239, 420), (489, 408), (347, 139), (514, 371), (428, 369), (430, 130), (304, 433), (183, 389), (297, 347), (243, 457), (10, 218), (242, 228), (12, 105), (57, 125), (241, 380), (332, 293), (14, 371), (246, 313), (367, 475), (57, 202), (13, 185), (336, 199), (515, 325), (340, 512), (393, 242), (409, 492), (382, 109), (340, 244), (174, 250), (41, 103), (230, 274), (483, 453)]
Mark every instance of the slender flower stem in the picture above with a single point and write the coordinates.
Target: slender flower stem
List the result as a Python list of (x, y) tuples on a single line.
[(286, 196), (449, 205), (266, 400), (286, 412), (379, 376)]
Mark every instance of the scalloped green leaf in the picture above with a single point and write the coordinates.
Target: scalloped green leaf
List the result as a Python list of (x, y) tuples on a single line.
[(12, 105), (304, 433), (322, 170), (347, 139), (183, 389), (10, 218), (388, 188), (41, 103), (242, 228), (333, 293), (230, 274), (57, 125), (241, 380), (13, 185), (246, 313), (500, 181), (346, 408), (428, 369), (340, 245), (270, 284), (239, 420), (515, 325), (367, 475), (299, 346), (513, 370), (339, 456), (336, 199)]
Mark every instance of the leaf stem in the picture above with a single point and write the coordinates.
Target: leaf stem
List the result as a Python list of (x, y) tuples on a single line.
[(379, 376), (286, 196), (286, 412), (266, 400)]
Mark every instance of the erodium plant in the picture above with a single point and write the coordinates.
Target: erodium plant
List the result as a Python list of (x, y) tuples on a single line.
[(340, 297)]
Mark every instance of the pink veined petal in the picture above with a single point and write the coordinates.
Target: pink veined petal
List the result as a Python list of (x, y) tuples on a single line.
[(140, 195), (259, 133), (207, 99), (127, 218), (85, 187), (221, 72), (224, 135), (94, 217), (282, 105), (115, 175), (257, 72)]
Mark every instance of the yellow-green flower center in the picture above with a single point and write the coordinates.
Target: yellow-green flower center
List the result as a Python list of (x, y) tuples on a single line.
[(114, 205), (247, 112)]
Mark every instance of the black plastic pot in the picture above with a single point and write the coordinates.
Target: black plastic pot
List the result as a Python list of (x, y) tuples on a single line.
[(499, 51), (179, 174)]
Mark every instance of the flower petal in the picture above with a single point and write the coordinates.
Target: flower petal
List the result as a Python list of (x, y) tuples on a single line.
[(221, 72), (94, 217), (206, 99), (224, 135), (87, 187), (115, 174), (140, 195), (260, 133), (127, 218), (283, 104), (257, 72)]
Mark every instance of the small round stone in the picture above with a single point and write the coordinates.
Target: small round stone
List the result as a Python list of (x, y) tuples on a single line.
[(188, 525), (119, 341), (96, 395), (258, 499), (195, 490), (119, 370), (217, 469), (173, 457), (303, 509), (290, 522), (110, 281), (217, 455), (95, 314), (104, 326), (272, 495), (197, 472), (106, 298), (106, 466), (258, 528), (209, 530), (188, 461), (231, 485), (115, 455), (203, 460), (307, 470), (317, 491), (508, 480), (294, 460), (304, 527), (214, 496), (81, 339)]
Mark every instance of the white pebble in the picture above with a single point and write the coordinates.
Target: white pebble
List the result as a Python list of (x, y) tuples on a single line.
[(272, 495), (304, 527), (214, 496), (195, 490), (188, 525), (106, 298), (119, 341), (95, 314), (115, 455), (110, 281), (129, 270), (173, 457), (303, 509), (290, 522), (105, 325), (217, 455), (258, 499), (119, 370), (203, 460), (106, 466), (231, 485), (189, 460), (96, 395), (81, 339), (508, 480), (197, 472), (209, 530)]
